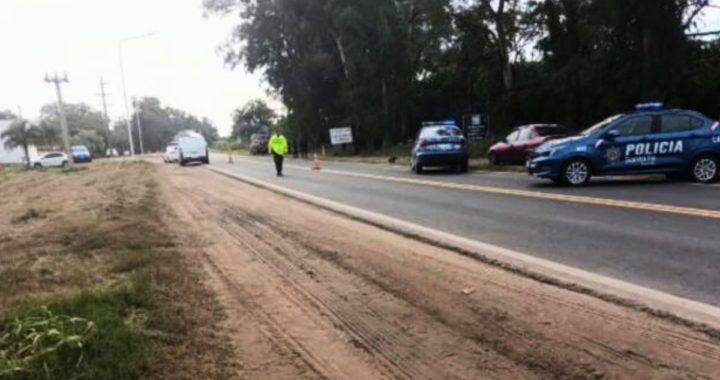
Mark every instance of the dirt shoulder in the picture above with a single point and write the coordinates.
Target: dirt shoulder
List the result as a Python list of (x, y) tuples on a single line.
[(312, 295), (86, 257)]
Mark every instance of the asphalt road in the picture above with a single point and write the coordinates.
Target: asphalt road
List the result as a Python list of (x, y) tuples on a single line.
[(649, 232)]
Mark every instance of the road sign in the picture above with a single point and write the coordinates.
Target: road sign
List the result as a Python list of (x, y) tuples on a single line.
[(340, 136), (476, 127)]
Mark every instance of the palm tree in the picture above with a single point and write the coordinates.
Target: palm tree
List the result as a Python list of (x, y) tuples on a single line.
[(21, 134)]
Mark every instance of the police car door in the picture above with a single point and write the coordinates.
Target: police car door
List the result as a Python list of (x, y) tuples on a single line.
[(677, 137), (618, 150)]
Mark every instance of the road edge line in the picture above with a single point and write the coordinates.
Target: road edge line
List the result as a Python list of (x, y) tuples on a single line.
[(699, 316)]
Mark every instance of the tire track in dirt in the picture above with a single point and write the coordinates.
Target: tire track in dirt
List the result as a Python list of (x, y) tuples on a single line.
[(404, 357), (395, 303)]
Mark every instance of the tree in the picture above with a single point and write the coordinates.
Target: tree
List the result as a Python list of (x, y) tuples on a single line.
[(7, 115), (253, 117), (161, 124), (86, 126), (20, 135)]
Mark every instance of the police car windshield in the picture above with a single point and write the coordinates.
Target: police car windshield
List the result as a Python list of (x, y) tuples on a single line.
[(600, 125), (440, 131)]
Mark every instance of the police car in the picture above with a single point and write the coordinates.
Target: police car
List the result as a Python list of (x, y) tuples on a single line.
[(439, 144), (650, 140)]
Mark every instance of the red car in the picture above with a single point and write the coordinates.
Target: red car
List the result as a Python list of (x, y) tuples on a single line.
[(522, 140)]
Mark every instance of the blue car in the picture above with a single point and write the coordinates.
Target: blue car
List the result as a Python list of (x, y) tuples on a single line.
[(81, 154), (439, 144), (650, 140)]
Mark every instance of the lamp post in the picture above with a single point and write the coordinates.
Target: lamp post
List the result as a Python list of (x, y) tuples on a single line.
[(125, 98)]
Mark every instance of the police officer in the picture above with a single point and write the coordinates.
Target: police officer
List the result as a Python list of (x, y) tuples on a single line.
[(278, 147)]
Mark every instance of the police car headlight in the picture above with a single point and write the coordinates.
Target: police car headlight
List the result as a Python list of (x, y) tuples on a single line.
[(546, 153)]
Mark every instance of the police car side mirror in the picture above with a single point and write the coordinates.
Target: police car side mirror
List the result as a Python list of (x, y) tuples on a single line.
[(612, 134)]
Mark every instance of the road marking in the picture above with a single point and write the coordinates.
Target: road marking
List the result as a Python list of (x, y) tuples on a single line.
[(529, 193)]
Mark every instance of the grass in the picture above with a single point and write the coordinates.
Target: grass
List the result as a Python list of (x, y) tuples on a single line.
[(29, 215), (93, 284), (85, 335), (401, 156)]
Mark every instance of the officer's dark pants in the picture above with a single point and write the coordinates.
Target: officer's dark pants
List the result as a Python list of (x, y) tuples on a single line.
[(278, 162)]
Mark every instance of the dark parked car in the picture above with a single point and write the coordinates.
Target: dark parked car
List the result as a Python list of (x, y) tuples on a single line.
[(81, 154), (259, 144), (521, 141), (439, 144)]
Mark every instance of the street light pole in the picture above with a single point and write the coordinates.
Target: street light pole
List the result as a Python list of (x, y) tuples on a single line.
[(61, 110), (125, 97), (127, 112)]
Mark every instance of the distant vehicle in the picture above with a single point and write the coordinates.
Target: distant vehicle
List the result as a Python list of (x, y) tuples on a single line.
[(650, 140), (259, 143), (440, 144), (51, 159), (172, 154), (192, 147), (523, 140), (81, 154)]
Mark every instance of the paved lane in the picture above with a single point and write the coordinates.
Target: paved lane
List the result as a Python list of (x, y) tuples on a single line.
[(672, 252)]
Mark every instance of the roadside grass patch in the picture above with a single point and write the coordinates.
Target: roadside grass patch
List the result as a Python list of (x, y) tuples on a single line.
[(104, 257), (83, 336), (29, 215)]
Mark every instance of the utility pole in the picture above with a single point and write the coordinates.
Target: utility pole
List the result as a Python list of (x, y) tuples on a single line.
[(61, 110), (125, 98), (108, 145), (136, 105)]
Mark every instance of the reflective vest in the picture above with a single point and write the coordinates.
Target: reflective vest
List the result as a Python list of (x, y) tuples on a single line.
[(277, 144)]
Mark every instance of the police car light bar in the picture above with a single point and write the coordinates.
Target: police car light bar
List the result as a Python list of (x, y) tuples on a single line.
[(444, 122), (644, 106)]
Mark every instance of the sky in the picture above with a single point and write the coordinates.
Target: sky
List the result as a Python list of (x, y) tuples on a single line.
[(179, 63)]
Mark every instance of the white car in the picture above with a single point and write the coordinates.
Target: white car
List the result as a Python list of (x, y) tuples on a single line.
[(172, 154), (193, 148), (51, 159)]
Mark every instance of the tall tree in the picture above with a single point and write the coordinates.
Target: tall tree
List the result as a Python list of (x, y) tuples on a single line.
[(254, 117)]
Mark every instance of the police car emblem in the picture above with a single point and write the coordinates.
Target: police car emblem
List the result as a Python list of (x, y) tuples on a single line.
[(613, 154)]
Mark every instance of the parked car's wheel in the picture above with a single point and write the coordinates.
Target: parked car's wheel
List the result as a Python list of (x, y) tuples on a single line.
[(37, 166), (705, 169), (576, 172), (418, 168), (206, 160), (181, 161), (64, 164)]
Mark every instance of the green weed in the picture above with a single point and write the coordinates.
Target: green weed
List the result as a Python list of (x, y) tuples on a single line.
[(84, 336)]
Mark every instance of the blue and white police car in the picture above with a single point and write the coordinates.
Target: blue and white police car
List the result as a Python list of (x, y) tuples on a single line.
[(650, 140)]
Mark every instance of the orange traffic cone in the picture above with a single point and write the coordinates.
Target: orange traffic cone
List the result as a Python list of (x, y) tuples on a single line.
[(230, 158), (316, 162)]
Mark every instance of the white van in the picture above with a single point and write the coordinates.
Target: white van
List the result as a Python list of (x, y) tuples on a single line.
[(193, 148)]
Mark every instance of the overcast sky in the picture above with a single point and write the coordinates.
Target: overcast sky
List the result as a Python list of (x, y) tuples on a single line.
[(179, 64)]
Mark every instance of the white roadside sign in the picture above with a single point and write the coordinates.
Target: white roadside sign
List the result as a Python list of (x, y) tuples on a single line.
[(341, 136)]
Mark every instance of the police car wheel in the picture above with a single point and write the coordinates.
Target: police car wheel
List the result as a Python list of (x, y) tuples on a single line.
[(705, 169), (576, 172)]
